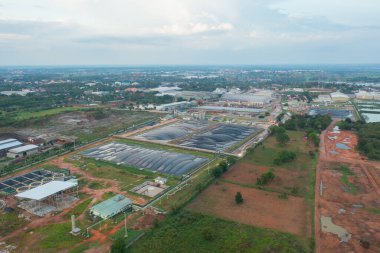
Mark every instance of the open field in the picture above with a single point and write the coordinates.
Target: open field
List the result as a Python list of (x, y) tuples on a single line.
[(284, 204), (348, 192), (261, 209), (293, 182), (189, 232), (86, 124), (45, 113), (264, 155)]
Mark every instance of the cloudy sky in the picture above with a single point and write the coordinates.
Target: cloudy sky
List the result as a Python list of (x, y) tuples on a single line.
[(61, 32)]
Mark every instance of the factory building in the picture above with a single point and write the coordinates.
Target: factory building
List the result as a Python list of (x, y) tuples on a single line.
[(111, 207), (23, 151), (249, 99), (339, 97), (6, 145), (174, 106), (367, 95), (323, 99)]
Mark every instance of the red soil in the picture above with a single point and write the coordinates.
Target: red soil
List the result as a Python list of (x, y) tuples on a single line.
[(260, 208)]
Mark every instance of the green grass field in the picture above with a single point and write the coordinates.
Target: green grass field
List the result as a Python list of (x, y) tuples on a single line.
[(10, 222), (45, 113), (188, 232), (265, 154), (126, 176)]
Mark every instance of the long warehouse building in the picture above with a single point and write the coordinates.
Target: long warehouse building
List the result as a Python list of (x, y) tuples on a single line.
[(6, 145)]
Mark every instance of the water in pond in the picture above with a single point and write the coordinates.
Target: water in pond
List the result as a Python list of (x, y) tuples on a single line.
[(342, 146)]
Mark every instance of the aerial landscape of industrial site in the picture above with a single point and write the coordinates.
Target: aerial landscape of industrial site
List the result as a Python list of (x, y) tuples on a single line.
[(189, 126)]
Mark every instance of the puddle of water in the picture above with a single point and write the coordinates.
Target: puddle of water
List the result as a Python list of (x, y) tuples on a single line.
[(342, 146), (329, 227), (334, 152)]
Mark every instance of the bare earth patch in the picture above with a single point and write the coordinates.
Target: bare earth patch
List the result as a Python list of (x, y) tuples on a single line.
[(260, 208)]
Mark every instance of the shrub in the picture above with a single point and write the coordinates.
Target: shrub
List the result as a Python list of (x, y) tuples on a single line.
[(284, 157), (239, 198), (265, 178), (217, 172)]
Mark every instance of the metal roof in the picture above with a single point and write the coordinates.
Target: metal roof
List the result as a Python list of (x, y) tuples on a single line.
[(46, 190), (236, 109), (111, 206), (23, 148), (6, 141), (9, 145)]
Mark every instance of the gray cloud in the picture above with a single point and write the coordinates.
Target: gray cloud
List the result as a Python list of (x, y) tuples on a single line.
[(186, 31)]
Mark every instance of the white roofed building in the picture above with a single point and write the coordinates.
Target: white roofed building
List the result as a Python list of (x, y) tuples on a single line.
[(367, 95), (339, 97), (22, 151)]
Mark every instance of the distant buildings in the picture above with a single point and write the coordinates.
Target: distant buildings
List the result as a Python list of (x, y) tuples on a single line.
[(248, 99), (323, 99), (197, 95), (339, 97), (23, 92), (174, 106), (367, 95)]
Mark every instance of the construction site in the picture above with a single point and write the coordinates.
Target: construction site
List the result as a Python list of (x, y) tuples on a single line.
[(347, 196)]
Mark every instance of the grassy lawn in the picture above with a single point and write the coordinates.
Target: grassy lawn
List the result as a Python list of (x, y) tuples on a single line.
[(10, 222), (188, 232), (132, 234), (44, 113), (79, 209), (53, 238), (126, 176), (265, 154), (129, 119), (186, 194)]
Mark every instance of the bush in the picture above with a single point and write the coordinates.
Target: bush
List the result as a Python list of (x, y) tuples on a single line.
[(217, 172), (284, 157), (265, 178), (118, 246), (239, 198), (208, 234)]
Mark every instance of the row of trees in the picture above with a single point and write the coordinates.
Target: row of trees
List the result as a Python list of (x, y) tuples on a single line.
[(303, 122), (369, 136)]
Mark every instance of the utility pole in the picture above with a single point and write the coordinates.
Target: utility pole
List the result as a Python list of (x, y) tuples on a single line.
[(125, 225)]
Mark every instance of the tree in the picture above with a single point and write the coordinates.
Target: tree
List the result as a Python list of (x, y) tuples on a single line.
[(223, 165), (239, 198), (282, 138), (217, 172), (118, 246)]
